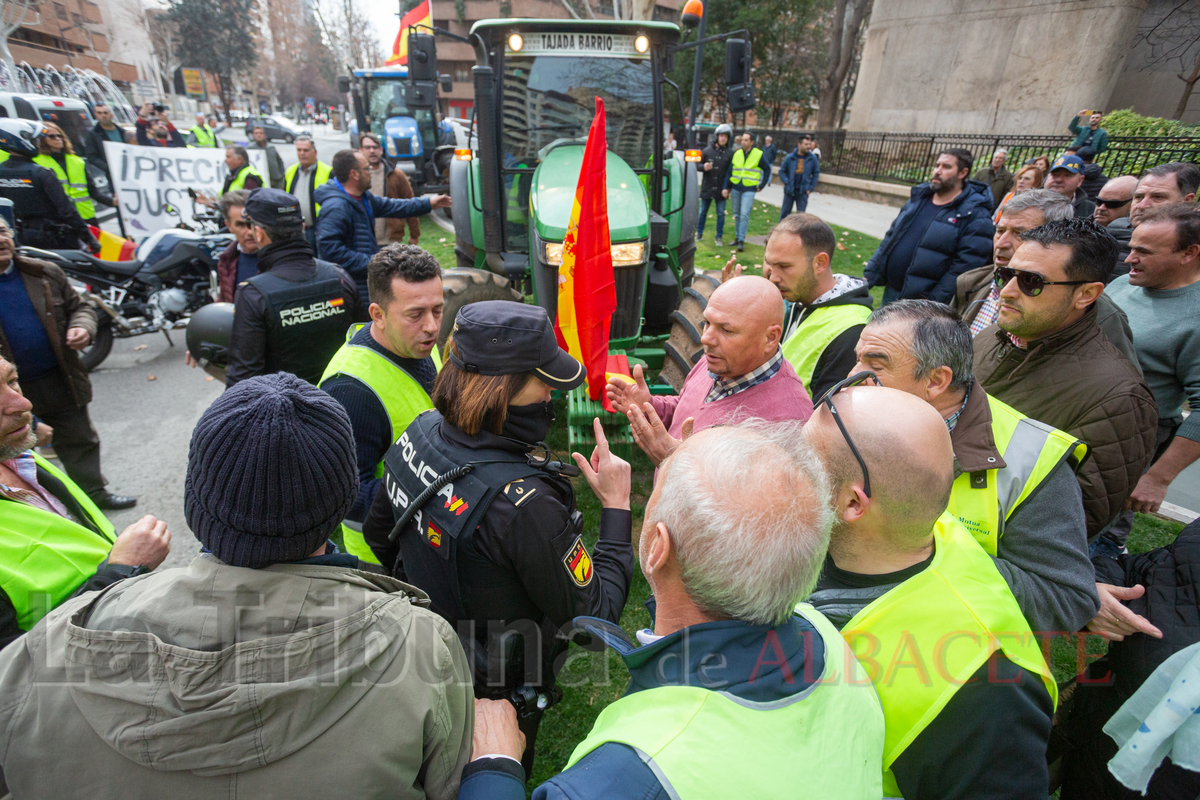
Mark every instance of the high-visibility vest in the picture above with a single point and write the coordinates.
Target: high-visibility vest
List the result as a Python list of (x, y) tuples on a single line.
[(926, 637), (983, 501), (205, 137), (702, 743), (746, 170), (44, 558), (74, 181), (803, 349), (399, 394), (246, 171), (289, 181)]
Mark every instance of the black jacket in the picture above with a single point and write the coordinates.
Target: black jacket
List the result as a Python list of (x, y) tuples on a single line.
[(523, 551), (45, 214), (248, 340), (1093, 180), (93, 149), (1082, 205), (713, 181)]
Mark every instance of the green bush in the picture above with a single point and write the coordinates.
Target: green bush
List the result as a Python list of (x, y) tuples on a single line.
[(1127, 123)]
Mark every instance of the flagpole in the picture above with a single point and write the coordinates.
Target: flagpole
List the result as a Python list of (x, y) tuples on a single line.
[(696, 72)]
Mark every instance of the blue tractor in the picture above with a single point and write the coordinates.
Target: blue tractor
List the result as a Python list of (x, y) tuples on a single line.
[(416, 140)]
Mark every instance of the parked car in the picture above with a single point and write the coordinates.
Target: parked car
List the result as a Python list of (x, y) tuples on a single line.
[(276, 128)]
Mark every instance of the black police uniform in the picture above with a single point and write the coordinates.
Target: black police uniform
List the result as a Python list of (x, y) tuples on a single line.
[(46, 217), (293, 315)]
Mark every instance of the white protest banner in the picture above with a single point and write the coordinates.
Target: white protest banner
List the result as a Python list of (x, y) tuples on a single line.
[(148, 179)]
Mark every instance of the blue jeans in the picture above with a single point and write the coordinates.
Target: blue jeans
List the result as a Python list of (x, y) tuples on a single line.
[(800, 201), (743, 202), (704, 204)]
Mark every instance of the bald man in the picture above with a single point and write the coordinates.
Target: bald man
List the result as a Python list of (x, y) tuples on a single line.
[(967, 697), (743, 373), (1112, 211)]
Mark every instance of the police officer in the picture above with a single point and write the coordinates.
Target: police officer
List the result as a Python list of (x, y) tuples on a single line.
[(58, 156), (46, 217), (292, 316), (485, 519)]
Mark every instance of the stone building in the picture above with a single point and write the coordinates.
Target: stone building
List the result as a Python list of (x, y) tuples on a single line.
[(71, 33)]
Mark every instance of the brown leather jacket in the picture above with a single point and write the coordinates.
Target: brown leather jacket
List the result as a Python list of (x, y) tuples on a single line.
[(59, 307), (972, 287), (1078, 381)]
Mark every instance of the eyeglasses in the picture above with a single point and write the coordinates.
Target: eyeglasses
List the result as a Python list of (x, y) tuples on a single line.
[(1100, 201), (1030, 283), (827, 399), (53, 136)]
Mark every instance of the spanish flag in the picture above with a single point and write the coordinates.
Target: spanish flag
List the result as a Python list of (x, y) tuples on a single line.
[(113, 248), (587, 295), (421, 15)]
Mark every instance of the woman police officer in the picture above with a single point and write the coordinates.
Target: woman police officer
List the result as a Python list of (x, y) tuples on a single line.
[(475, 512)]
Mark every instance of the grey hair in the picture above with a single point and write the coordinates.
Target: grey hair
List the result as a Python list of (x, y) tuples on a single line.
[(237, 197), (939, 337), (1054, 206), (1000, 152), (743, 554), (308, 139), (240, 152)]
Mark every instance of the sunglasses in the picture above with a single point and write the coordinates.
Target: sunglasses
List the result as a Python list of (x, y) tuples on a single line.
[(827, 399), (53, 136), (1030, 283), (1100, 201)]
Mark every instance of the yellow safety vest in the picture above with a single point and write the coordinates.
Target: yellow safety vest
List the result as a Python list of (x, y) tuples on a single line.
[(746, 171), (984, 500), (246, 171), (44, 558), (803, 349), (399, 394), (205, 137), (926, 637), (702, 743), (289, 181), (74, 181)]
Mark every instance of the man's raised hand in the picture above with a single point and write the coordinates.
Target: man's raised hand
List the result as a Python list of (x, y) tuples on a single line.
[(731, 270), (622, 394), (607, 474)]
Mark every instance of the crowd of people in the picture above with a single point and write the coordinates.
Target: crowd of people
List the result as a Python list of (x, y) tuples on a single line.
[(867, 525)]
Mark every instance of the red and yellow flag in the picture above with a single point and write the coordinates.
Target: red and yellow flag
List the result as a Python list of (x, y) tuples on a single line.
[(587, 295), (112, 247), (421, 15)]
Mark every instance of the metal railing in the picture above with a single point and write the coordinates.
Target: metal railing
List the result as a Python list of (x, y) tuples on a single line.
[(908, 158)]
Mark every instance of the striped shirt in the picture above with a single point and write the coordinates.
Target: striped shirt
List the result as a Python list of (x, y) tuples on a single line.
[(722, 389)]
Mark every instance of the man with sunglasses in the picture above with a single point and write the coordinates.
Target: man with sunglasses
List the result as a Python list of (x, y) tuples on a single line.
[(967, 696), (1112, 211), (1014, 487), (1048, 359)]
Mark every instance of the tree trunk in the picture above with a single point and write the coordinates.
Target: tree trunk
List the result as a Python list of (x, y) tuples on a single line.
[(843, 39), (1189, 83)]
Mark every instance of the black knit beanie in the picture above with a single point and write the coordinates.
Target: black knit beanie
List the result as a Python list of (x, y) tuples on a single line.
[(271, 471)]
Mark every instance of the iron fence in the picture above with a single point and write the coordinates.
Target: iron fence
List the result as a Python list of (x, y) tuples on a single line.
[(908, 158)]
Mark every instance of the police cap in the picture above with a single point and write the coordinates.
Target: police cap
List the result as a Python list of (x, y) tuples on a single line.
[(273, 208), (503, 337)]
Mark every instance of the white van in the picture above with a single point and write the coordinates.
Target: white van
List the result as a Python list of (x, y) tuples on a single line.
[(68, 113)]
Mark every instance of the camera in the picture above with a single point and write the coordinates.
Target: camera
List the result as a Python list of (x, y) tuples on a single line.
[(159, 108)]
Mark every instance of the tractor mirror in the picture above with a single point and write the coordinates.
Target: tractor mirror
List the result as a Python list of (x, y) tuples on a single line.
[(741, 97), (447, 86), (420, 94), (343, 83), (422, 57), (737, 62)]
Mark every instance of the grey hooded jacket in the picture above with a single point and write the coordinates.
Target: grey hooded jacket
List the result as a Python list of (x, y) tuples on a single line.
[(294, 681)]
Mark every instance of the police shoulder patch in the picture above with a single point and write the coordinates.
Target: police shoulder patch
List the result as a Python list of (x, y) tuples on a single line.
[(579, 563), (518, 491)]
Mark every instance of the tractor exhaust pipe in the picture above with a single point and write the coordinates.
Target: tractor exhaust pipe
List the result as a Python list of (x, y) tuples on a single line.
[(489, 162)]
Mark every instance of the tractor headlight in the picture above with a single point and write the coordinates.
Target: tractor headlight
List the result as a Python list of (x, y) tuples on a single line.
[(389, 146), (415, 144), (628, 254), (554, 253)]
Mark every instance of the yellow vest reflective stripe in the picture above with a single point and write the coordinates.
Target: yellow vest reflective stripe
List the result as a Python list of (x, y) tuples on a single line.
[(289, 180), (746, 171), (702, 743), (205, 137), (44, 558), (926, 637), (983, 501), (803, 349), (74, 181), (240, 181), (399, 394)]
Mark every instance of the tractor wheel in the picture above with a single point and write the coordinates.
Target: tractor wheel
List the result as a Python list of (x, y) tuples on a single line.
[(683, 347), (462, 285)]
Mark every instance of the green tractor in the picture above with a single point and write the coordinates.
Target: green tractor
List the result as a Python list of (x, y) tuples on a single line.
[(513, 188)]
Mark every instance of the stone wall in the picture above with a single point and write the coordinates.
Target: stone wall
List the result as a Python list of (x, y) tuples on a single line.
[(990, 66)]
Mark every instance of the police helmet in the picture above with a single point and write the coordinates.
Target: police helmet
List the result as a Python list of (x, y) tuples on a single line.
[(208, 334), (20, 136), (724, 128)]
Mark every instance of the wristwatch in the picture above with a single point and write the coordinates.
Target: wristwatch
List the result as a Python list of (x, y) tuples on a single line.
[(128, 571)]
